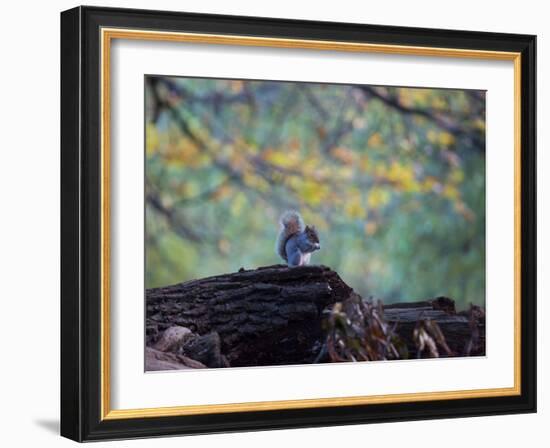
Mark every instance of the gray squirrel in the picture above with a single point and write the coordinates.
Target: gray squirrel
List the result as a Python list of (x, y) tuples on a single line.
[(296, 241)]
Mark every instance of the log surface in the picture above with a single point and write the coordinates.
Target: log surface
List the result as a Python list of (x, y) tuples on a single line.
[(266, 316), (275, 315), (456, 327)]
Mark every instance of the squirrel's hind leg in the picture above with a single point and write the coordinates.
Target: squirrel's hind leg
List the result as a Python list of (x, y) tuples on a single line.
[(295, 259), (298, 259)]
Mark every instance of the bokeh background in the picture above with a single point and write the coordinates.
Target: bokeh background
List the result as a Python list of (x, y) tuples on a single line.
[(393, 178)]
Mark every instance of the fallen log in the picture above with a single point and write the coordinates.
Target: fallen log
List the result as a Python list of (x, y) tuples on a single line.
[(464, 331), (275, 316), (266, 316)]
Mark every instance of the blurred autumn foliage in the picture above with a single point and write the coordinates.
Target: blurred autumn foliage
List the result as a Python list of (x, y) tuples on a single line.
[(393, 178)]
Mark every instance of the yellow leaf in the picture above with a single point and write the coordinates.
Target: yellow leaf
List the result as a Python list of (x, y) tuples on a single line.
[(354, 209), (406, 97), (438, 103), (313, 193), (378, 197), (479, 124), (450, 192), (375, 140), (432, 136), (440, 138), (151, 139), (403, 176), (456, 176), (280, 158), (446, 139)]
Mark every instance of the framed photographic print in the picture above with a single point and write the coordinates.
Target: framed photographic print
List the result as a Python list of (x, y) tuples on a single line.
[(274, 223)]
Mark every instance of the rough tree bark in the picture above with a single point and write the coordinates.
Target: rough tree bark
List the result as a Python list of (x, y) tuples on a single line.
[(459, 328), (266, 316), (274, 315)]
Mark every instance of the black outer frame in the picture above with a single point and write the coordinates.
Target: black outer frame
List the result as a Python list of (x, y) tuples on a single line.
[(81, 208)]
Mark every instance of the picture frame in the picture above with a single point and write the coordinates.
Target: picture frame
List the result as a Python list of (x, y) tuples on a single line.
[(86, 210)]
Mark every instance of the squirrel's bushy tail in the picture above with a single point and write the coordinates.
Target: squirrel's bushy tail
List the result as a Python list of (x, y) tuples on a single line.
[(291, 223)]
